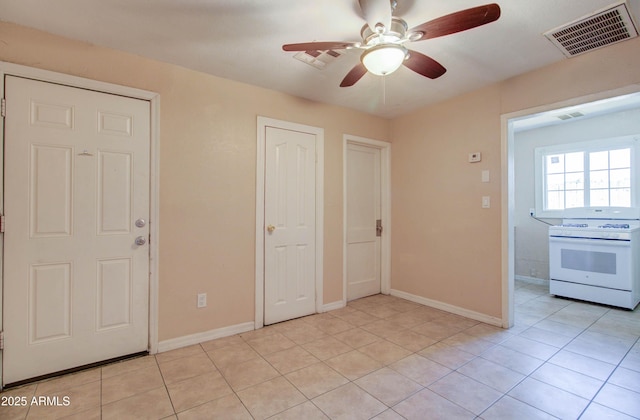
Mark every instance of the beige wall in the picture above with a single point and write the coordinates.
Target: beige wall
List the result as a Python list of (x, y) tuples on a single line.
[(599, 71), (207, 173), (445, 247)]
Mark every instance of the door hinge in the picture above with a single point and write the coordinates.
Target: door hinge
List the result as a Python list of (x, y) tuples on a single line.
[(379, 227), (1, 223), (1, 340), (3, 108)]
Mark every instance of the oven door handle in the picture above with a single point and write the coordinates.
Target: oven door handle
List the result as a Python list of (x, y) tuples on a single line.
[(590, 241)]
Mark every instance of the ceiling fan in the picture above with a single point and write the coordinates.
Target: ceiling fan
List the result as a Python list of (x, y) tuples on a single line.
[(384, 36)]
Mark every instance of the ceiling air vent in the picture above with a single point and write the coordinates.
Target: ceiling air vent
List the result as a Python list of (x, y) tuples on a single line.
[(609, 26), (570, 115), (318, 59)]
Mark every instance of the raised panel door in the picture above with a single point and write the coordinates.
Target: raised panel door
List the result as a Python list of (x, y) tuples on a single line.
[(76, 178)]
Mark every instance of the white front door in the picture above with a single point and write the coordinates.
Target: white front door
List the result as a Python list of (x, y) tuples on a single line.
[(363, 207), (76, 283), (290, 224)]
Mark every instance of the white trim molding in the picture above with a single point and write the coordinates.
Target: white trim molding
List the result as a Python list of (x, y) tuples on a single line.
[(197, 338), (385, 208), (262, 124), (532, 280), (339, 304), (491, 320)]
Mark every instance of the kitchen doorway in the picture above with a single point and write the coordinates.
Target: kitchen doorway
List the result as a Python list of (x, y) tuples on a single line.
[(595, 105)]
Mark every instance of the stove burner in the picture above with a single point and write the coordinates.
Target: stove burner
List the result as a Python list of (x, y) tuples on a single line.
[(615, 226), (577, 225)]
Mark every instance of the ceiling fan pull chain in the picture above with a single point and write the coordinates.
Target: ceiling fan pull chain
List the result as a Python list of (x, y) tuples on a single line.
[(384, 90)]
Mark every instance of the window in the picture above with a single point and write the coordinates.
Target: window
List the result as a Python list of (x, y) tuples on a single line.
[(586, 174)]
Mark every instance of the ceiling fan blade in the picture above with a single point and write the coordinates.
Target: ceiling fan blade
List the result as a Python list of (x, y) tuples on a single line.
[(458, 21), (354, 75), (319, 46), (424, 65), (376, 12)]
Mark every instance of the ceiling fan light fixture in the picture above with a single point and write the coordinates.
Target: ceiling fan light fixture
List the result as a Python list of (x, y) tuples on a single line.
[(384, 59)]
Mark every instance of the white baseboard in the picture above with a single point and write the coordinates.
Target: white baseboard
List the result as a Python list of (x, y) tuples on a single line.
[(534, 280), (188, 340), (334, 305), (448, 308)]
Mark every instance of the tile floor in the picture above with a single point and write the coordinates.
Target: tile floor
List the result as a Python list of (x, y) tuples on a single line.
[(380, 357)]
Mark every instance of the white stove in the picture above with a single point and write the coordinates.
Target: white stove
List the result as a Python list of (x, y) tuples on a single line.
[(594, 255)]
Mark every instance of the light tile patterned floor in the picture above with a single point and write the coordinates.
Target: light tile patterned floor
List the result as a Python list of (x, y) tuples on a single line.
[(380, 357)]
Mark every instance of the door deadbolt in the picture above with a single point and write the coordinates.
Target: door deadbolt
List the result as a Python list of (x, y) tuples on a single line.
[(140, 223)]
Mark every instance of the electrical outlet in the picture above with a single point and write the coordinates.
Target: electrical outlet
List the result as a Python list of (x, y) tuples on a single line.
[(202, 300)]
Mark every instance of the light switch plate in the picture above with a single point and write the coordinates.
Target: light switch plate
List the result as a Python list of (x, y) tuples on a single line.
[(485, 175), (486, 202), (202, 300)]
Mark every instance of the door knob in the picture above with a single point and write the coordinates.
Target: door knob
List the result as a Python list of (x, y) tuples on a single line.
[(141, 240), (271, 228)]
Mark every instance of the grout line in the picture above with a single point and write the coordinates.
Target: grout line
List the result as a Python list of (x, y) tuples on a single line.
[(585, 329), (164, 382), (606, 381), (247, 337)]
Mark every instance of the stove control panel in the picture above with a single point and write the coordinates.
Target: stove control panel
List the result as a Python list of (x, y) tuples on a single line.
[(559, 232)]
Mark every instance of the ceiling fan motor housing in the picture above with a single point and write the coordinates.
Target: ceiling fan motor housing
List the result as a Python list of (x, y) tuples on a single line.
[(394, 34)]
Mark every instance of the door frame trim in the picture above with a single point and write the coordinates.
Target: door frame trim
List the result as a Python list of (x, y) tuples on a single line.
[(262, 124), (12, 69), (385, 209), (508, 186)]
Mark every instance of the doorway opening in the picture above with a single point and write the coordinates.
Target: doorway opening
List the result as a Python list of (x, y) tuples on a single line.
[(524, 237)]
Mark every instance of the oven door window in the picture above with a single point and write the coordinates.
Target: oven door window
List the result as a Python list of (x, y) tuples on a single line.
[(591, 261)]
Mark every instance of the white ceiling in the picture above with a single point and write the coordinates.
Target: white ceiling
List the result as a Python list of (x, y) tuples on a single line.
[(241, 40)]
